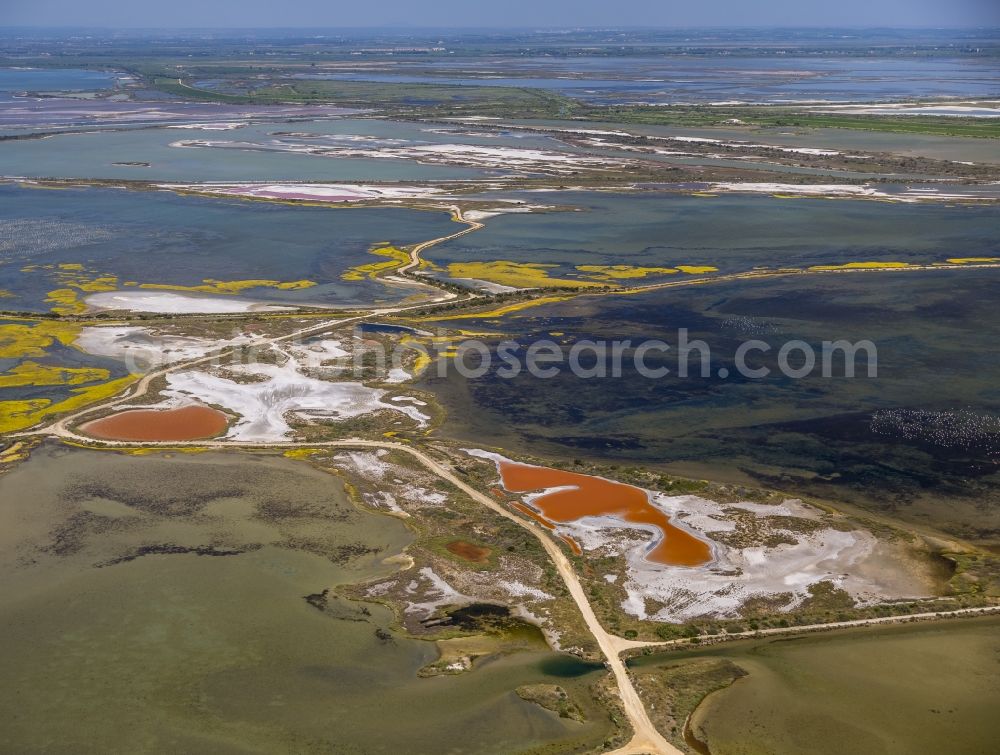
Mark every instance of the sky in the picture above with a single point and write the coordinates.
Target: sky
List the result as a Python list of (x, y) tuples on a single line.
[(500, 13)]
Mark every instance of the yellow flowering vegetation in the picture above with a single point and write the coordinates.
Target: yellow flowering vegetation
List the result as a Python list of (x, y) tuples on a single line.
[(500, 311), (301, 453), (213, 286), (74, 278), (627, 272), (396, 258), (18, 340), (33, 373), (515, 274), (20, 414), (27, 342), (862, 266)]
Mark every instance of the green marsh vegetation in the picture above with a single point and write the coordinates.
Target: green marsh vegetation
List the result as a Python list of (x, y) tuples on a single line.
[(239, 78), (444, 100)]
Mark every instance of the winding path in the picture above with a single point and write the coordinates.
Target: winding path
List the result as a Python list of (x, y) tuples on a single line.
[(646, 739), (136, 390), (458, 217)]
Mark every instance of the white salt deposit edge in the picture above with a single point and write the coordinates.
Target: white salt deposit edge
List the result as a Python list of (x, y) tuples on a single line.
[(143, 349), (168, 302), (279, 391), (734, 575), (336, 192), (467, 155), (944, 109), (907, 195), (220, 126)]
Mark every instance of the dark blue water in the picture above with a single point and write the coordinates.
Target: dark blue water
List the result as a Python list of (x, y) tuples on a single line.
[(376, 327)]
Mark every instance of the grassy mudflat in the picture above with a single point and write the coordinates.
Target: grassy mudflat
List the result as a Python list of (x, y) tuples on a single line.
[(174, 603), (900, 689)]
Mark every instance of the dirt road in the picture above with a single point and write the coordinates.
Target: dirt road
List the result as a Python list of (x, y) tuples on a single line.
[(646, 739)]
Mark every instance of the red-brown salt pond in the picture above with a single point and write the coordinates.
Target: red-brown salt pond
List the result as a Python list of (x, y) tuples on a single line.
[(183, 423), (478, 554), (530, 512), (573, 545), (582, 495)]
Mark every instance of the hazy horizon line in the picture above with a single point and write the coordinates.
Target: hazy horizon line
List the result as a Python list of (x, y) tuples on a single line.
[(535, 27)]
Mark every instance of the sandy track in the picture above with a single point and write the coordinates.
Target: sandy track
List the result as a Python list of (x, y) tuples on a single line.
[(646, 739), (59, 428), (456, 214)]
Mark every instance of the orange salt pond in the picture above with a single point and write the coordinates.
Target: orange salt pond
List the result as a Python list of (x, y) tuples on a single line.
[(581, 495), (184, 423)]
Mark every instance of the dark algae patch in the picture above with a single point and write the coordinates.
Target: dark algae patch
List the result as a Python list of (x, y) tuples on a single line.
[(910, 443), (481, 617), (173, 550), (567, 666)]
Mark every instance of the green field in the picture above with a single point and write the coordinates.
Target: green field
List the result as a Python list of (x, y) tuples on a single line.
[(442, 100)]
